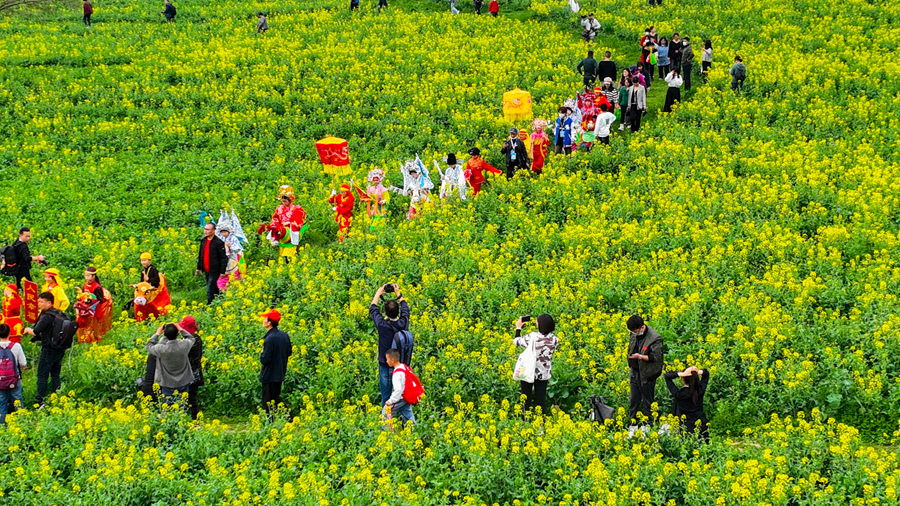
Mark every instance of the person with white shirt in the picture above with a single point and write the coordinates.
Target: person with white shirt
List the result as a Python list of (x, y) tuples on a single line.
[(603, 124), (674, 93)]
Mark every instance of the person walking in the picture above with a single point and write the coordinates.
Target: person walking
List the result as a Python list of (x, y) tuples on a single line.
[(12, 363), (689, 399), (396, 404), (706, 59), (195, 357), (674, 92), (453, 9), (51, 357), (173, 366), (87, 10), (382, 4), (588, 68), (478, 5), (687, 62), (623, 103), (604, 124), (637, 105), (395, 320), (494, 8), (262, 24), (738, 73), (169, 12), (606, 68), (645, 363), (212, 260), (12, 312), (21, 267), (516, 153), (545, 343), (662, 57), (277, 348)]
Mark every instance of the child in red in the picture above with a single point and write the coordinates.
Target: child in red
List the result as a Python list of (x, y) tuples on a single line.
[(343, 207), (494, 8)]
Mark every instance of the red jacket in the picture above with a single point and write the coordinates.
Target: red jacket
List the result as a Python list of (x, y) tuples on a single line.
[(494, 6), (88, 9)]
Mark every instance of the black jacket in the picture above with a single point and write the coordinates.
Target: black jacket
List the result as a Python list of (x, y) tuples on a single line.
[(153, 274), (521, 160), (675, 49), (684, 404), (606, 69), (45, 326), (195, 357), (650, 344), (274, 357), (588, 67), (218, 260), (23, 257)]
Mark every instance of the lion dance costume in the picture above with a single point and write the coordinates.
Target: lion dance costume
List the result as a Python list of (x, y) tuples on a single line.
[(288, 224), (12, 312), (93, 310), (343, 210)]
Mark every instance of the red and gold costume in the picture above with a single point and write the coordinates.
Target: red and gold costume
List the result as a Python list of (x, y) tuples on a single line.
[(474, 170), (539, 143), (287, 225), (150, 301), (343, 215), (94, 317), (12, 313)]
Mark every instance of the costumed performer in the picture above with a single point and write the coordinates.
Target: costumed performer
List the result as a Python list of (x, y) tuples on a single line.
[(473, 170), (376, 198), (12, 312), (93, 308), (234, 251), (151, 295), (417, 185), (539, 143), (53, 284), (452, 180), (288, 224), (343, 210)]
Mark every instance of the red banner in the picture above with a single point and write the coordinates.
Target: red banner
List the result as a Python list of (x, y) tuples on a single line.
[(31, 301)]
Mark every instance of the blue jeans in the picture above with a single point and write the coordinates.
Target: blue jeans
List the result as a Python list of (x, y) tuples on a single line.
[(6, 396), (384, 382), (168, 394), (401, 411)]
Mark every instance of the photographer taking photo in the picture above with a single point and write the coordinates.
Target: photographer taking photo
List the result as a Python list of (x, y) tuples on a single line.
[(394, 321)]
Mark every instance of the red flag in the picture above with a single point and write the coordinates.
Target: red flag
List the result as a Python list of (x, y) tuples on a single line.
[(31, 301)]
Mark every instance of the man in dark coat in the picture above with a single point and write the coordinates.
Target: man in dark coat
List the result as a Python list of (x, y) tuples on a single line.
[(645, 361), (276, 350), (211, 260), (516, 153), (51, 358), (23, 256)]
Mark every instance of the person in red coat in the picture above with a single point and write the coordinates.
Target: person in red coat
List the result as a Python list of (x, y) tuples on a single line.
[(12, 312), (494, 8), (88, 9), (343, 207), (473, 170)]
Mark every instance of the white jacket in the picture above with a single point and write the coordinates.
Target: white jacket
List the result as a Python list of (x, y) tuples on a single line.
[(674, 80), (589, 24)]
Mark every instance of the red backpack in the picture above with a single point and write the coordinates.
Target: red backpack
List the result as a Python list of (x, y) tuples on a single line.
[(413, 390), (9, 369)]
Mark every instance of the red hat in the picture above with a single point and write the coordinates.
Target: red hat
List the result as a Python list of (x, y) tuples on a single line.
[(12, 287), (272, 314), (345, 187), (189, 324)]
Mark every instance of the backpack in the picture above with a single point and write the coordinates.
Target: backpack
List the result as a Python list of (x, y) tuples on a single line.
[(600, 411), (413, 390), (63, 337), (9, 369), (9, 260), (404, 342)]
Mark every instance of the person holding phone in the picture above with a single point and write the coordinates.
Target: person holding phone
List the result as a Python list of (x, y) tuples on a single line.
[(645, 364), (394, 320), (545, 343)]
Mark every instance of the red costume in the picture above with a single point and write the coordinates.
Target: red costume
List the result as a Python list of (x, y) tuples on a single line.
[(473, 170), (12, 313), (94, 317), (343, 203), (288, 224)]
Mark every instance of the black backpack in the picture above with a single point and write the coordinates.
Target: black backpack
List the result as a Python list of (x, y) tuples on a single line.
[(10, 262), (601, 411), (63, 333), (404, 342)]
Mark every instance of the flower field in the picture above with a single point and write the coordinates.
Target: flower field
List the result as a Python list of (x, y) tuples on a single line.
[(757, 232)]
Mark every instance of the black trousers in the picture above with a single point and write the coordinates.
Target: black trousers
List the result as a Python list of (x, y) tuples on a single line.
[(49, 365), (20, 276), (663, 70), (634, 118), (603, 140), (212, 289), (686, 73), (673, 95), (87, 20), (271, 396), (194, 400), (642, 395), (535, 395)]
